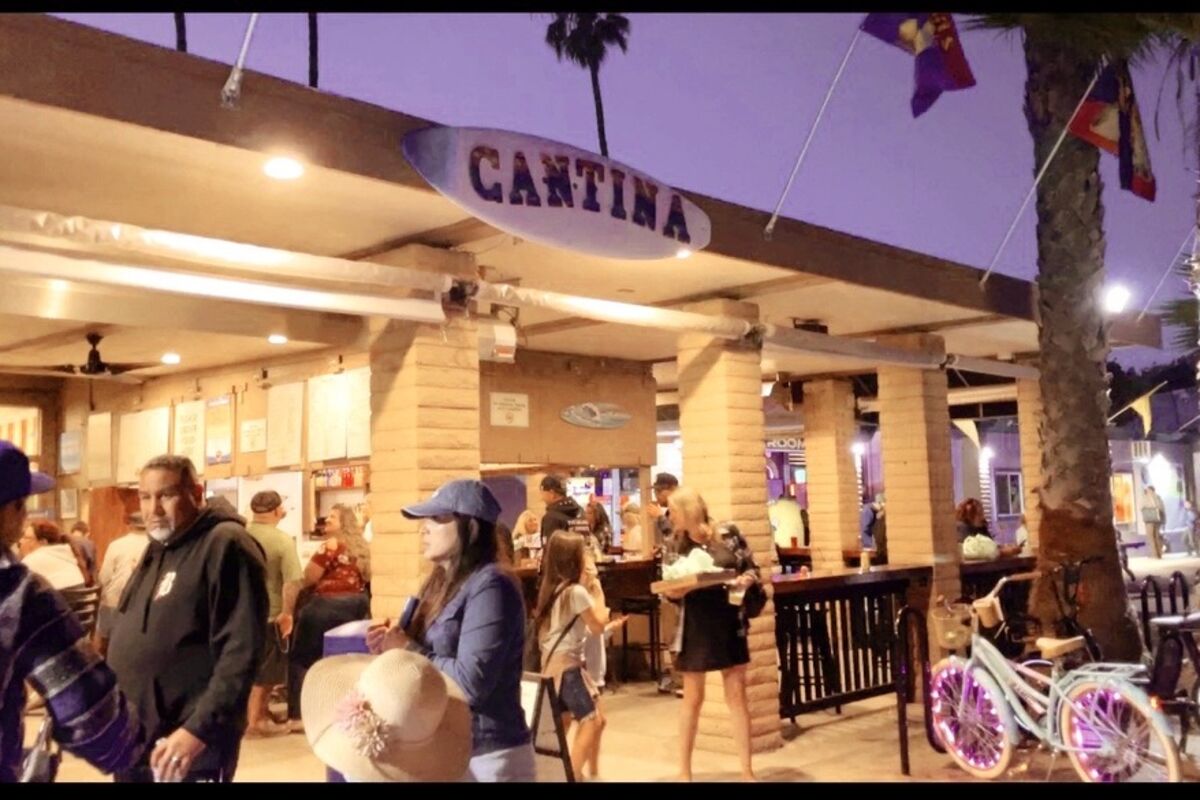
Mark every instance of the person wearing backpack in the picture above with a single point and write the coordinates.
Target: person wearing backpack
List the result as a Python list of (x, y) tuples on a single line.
[(566, 614)]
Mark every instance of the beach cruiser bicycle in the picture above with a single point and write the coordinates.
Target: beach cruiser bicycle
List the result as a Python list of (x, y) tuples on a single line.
[(984, 705)]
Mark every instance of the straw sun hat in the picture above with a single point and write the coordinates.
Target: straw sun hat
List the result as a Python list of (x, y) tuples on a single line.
[(391, 717)]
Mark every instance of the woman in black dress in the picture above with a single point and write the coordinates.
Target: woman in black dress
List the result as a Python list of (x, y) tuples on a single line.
[(712, 630)]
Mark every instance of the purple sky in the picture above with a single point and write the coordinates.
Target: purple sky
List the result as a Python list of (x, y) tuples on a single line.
[(720, 104)]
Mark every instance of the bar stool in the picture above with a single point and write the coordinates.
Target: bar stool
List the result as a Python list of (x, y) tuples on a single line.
[(650, 606)]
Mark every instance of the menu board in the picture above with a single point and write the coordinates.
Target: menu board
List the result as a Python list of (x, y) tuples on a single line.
[(285, 410), (140, 437), (358, 412), (189, 433), (218, 434), (327, 417), (99, 447)]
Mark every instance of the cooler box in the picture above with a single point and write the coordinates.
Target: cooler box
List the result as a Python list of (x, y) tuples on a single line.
[(348, 638)]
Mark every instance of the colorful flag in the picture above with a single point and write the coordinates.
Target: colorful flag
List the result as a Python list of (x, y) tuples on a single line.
[(1109, 119), (941, 65)]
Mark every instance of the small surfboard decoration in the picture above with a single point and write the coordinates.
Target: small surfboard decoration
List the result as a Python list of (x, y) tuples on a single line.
[(556, 194)]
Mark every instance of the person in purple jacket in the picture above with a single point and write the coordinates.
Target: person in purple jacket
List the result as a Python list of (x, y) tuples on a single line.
[(470, 622), (42, 642)]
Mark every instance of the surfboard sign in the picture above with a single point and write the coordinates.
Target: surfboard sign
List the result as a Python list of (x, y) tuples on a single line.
[(556, 194)]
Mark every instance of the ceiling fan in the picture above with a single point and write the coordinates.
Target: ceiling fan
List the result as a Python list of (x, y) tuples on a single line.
[(95, 367)]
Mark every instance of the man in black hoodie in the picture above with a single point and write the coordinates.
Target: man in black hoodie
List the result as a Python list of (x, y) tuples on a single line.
[(189, 631), (562, 512)]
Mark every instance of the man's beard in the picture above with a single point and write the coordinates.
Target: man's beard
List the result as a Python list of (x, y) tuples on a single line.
[(160, 530)]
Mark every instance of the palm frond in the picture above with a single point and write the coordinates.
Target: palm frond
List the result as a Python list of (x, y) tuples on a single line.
[(1115, 36)]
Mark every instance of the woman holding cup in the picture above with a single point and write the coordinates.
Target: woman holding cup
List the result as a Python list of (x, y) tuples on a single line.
[(712, 632)]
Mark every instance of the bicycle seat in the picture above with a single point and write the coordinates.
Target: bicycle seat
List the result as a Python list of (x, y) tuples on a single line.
[(1053, 648), (1179, 622)]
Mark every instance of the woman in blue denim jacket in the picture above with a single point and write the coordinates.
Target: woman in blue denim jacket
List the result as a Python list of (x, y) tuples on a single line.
[(470, 622)]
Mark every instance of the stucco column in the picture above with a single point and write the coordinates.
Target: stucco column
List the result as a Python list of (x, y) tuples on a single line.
[(833, 501), (1029, 423), (914, 420), (721, 421)]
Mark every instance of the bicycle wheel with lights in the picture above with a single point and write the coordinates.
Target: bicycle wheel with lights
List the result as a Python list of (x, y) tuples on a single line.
[(1114, 735), (972, 718)]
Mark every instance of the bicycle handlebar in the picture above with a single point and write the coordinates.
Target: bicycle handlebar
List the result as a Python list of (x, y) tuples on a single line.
[(1014, 578)]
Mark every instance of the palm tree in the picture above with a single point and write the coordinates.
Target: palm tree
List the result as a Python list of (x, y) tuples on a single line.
[(1062, 54), (584, 39), (312, 49), (180, 32)]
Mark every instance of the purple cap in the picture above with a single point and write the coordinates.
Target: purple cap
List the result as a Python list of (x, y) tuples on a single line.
[(16, 481), (467, 497)]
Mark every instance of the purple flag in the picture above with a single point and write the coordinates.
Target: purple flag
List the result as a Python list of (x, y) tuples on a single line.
[(941, 65)]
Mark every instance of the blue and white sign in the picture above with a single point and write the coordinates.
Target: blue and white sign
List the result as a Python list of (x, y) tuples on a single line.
[(556, 194)]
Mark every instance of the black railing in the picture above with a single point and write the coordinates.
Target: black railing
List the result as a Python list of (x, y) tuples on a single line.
[(911, 631), (1178, 598), (836, 644)]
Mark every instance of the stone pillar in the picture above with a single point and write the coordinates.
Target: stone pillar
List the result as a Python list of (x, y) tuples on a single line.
[(1029, 423), (833, 501), (914, 421), (721, 420)]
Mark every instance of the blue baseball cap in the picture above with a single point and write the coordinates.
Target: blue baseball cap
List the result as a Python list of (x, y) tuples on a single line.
[(467, 497), (16, 480)]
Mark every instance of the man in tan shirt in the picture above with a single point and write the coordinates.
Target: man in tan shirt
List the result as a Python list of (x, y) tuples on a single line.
[(120, 560)]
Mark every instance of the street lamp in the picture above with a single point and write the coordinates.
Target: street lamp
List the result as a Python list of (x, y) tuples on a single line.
[(1116, 297)]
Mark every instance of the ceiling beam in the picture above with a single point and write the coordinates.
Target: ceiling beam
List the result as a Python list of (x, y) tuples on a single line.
[(57, 339), (80, 302), (456, 234)]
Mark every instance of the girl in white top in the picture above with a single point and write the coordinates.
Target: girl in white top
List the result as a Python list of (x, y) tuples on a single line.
[(566, 614)]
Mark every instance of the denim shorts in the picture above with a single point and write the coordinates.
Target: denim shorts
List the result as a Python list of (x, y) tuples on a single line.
[(575, 695)]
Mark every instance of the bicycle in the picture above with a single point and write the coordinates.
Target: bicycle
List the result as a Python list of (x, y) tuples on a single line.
[(1095, 713)]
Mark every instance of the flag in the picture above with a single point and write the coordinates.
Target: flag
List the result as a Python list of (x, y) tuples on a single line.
[(1141, 407), (969, 429), (1109, 119), (941, 65)]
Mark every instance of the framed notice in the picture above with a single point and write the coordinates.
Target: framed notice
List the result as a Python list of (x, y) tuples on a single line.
[(218, 434), (99, 447), (68, 503), (189, 433), (253, 437), (509, 410), (70, 452)]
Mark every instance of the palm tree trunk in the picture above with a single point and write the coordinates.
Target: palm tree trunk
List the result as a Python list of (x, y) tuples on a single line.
[(595, 70), (312, 49), (180, 32), (1077, 509)]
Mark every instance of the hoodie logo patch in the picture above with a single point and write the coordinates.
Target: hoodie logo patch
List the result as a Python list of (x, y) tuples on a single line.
[(164, 586)]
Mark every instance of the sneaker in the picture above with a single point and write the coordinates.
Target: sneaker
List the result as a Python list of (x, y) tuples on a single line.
[(664, 685)]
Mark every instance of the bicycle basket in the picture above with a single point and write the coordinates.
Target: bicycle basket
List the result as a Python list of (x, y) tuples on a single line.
[(952, 626), (989, 611)]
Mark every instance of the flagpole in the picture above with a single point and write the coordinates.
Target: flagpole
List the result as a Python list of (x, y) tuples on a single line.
[(767, 231), (1167, 271), (1041, 174)]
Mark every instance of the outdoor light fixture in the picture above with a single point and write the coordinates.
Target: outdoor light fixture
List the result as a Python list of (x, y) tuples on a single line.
[(683, 252), (277, 338), (767, 388), (1115, 299), (171, 358), (859, 449), (283, 168), (986, 453)]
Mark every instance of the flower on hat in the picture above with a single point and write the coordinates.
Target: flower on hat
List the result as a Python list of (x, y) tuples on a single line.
[(367, 731)]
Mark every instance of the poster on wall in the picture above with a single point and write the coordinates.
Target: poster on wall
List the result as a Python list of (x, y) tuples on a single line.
[(70, 452), (253, 438), (327, 417), (218, 434), (285, 410), (189, 433), (357, 387), (509, 410), (141, 436), (99, 447), (1122, 494), (68, 503)]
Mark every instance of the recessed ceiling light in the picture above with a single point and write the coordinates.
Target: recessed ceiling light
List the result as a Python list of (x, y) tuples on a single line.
[(277, 338), (171, 358), (683, 252), (283, 168)]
